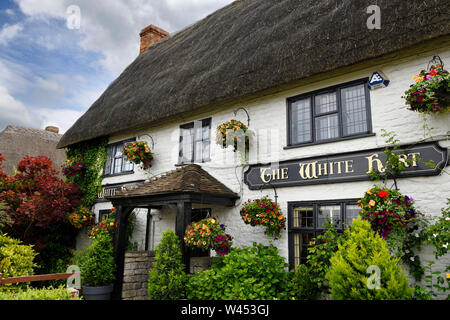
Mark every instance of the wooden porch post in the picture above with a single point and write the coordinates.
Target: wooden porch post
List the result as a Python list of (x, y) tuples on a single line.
[(120, 245), (184, 214)]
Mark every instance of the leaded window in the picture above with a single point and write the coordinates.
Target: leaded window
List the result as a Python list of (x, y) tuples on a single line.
[(331, 114), (306, 221)]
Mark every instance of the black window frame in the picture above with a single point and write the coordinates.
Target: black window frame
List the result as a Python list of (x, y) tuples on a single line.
[(316, 229), (190, 125), (114, 145), (311, 95)]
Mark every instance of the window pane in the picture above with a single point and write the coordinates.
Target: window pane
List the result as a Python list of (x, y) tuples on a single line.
[(187, 146), (303, 217), (351, 212), (301, 121), (198, 151), (118, 165), (205, 151), (332, 213), (327, 127), (301, 243), (325, 103), (354, 113)]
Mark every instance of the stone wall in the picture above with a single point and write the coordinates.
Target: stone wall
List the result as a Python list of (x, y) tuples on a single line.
[(137, 267), (135, 275)]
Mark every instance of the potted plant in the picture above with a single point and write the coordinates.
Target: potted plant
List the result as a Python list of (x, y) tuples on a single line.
[(239, 132), (97, 268), (431, 92), (208, 234), (138, 152), (81, 217), (264, 212), (73, 166)]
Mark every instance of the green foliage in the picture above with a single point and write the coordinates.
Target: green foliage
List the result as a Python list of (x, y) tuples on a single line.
[(96, 262), (304, 284), (167, 277), (308, 282), (255, 273), (93, 155), (438, 233), (50, 293), (348, 274), (16, 259), (5, 219), (434, 282)]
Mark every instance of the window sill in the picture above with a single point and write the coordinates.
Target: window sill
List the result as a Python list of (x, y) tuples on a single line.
[(186, 163), (118, 174), (328, 141)]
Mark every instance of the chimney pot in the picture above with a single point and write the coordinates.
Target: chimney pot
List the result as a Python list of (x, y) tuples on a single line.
[(151, 35), (52, 129)]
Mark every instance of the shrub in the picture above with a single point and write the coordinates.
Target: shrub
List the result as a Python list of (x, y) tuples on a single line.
[(308, 282), (256, 273), (96, 262), (304, 285), (348, 274), (50, 293), (5, 219), (167, 277), (16, 259)]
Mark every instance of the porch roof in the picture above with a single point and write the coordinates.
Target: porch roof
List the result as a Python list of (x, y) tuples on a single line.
[(188, 183)]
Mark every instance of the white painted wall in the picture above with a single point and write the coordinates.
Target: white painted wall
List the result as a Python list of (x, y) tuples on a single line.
[(269, 113)]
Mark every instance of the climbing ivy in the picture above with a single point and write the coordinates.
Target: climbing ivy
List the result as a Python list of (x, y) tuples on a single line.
[(93, 156)]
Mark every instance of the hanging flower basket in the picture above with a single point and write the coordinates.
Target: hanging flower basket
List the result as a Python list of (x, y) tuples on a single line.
[(139, 153), (107, 226), (266, 213), (387, 210), (72, 167), (431, 93), (81, 217), (238, 131), (208, 234)]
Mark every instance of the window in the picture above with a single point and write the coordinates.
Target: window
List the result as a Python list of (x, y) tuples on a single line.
[(116, 162), (306, 221), (195, 140), (103, 214), (328, 115)]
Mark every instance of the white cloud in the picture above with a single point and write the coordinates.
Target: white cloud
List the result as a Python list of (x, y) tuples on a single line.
[(61, 118), (9, 32), (14, 112), (112, 27)]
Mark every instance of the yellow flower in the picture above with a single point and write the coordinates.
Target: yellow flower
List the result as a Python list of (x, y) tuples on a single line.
[(369, 192), (448, 275), (372, 202)]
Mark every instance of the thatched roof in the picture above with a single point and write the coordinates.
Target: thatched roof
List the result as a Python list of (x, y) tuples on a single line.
[(251, 46), (190, 178), (17, 142)]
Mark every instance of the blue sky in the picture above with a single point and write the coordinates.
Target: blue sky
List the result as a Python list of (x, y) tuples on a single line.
[(50, 74)]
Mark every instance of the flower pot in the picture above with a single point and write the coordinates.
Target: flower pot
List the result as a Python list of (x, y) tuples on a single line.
[(97, 293)]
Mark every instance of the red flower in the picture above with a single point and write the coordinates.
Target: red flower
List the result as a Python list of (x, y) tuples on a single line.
[(383, 194)]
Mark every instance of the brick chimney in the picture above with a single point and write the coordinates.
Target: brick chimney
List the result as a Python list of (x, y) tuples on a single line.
[(52, 129), (151, 35)]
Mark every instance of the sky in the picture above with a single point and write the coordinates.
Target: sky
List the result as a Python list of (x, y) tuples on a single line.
[(58, 56)]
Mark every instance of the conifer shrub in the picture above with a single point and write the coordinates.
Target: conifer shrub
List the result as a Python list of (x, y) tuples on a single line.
[(349, 275), (167, 278)]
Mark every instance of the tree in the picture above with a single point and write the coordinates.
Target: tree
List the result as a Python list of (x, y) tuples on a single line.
[(36, 200), (167, 277), (350, 275)]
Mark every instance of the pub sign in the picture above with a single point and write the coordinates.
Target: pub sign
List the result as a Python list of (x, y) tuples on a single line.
[(345, 167)]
